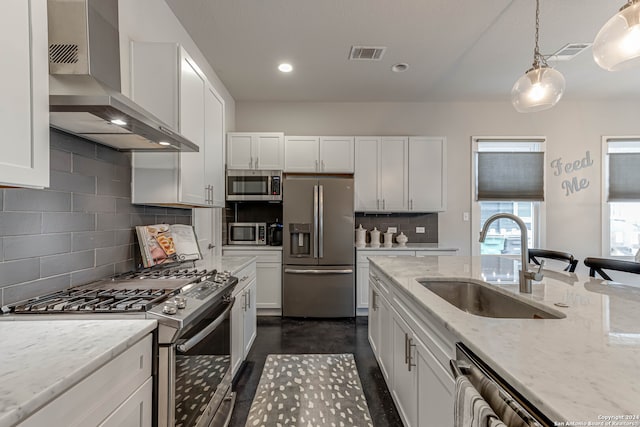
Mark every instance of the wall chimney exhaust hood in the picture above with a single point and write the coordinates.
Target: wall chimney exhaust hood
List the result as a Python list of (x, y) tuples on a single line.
[(85, 96)]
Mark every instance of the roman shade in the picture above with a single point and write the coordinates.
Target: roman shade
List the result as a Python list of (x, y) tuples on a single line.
[(514, 176), (624, 177)]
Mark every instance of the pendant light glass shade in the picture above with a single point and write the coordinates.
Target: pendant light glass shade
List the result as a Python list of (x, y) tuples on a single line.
[(537, 90), (617, 45)]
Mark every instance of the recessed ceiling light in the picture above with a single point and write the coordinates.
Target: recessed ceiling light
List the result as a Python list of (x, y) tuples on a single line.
[(285, 67), (399, 68), (118, 122), (164, 143)]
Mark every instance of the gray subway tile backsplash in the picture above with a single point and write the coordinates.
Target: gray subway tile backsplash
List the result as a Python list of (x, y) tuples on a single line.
[(37, 201), (92, 203), (60, 161), (80, 229), (72, 183), (24, 270), (54, 222), (19, 247), (19, 223), (92, 240), (36, 288), (66, 263), (404, 222)]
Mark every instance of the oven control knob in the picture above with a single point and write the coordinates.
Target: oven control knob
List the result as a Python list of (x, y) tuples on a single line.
[(170, 308), (181, 302)]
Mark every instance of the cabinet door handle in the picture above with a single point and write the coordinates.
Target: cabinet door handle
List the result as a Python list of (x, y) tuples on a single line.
[(322, 161), (244, 301), (383, 204), (411, 204), (316, 165), (248, 298), (257, 162), (410, 358), (377, 203), (374, 303), (406, 348)]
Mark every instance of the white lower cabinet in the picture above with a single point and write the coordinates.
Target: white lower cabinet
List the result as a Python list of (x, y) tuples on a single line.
[(117, 394), (243, 316), (362, 269), (413, 353), (268, 275), (380, 328)]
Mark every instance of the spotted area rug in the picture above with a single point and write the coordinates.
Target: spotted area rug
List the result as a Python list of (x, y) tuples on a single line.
[(309, 390)]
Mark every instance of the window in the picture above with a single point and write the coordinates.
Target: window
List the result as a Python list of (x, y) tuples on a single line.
[(508, 176), (621, 213)]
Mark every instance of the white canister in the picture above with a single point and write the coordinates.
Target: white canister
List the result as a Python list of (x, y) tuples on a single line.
[(375, 237), (401, 239), (388, 239), (361, 237)]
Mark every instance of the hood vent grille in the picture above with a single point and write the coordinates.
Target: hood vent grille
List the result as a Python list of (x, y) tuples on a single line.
[(366, 53), (63, 53)]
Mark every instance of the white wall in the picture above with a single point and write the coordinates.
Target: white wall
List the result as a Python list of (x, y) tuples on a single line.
[(573, 222), (154, 21)]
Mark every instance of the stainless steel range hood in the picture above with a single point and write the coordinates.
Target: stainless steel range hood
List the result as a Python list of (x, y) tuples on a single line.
[(84, 81)]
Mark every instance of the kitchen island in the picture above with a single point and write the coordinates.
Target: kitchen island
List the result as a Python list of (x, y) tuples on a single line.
[(42, 362), (580, 368)]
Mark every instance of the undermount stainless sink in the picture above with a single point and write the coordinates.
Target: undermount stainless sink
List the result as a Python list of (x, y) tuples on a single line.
[(484, 301)]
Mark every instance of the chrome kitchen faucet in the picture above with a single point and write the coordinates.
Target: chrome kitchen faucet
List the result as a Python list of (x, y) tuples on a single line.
[(525, 275)]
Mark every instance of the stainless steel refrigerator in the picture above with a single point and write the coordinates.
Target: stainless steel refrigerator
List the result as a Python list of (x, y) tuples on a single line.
[(318, 251)]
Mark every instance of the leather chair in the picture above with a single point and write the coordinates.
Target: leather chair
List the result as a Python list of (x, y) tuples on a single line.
[(534, 254), (597, 265)]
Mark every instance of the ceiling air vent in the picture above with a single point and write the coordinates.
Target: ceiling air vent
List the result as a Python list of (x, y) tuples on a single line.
[(366, 53), (569, 51)]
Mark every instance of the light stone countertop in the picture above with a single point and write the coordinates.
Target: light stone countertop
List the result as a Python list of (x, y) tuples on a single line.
[(251, 248), (231, 263), (41, 360), (573, 369), (409, 247)]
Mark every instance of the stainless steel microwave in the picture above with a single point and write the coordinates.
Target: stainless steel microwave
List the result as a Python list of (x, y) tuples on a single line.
[(254, 185), (247, 233)]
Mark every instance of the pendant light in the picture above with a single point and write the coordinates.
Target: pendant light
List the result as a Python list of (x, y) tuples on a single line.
[(541, 87), (617, 45)]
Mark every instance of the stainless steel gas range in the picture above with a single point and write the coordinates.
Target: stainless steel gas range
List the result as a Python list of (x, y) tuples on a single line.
[(192, 307)]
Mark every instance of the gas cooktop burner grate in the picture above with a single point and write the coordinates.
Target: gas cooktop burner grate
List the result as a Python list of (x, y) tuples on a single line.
[(96, 301), (165, 273)]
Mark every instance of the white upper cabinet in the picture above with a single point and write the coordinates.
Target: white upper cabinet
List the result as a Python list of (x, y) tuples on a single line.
[(301, 154), (400, 174), (166, 81), (381, 174), (255, 150), (24, 107), (319, 154), (367, 173), (214, 144), (427, 178), (394, 157)]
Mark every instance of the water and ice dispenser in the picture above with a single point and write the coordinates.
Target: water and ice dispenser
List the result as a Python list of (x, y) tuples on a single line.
[(300, 240)]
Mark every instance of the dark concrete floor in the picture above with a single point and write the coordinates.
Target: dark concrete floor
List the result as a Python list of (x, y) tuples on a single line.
[(295, 336)]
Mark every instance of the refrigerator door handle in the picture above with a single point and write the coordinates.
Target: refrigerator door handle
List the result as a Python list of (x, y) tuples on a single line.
[(296, 271), (321, 222), (315, 221)]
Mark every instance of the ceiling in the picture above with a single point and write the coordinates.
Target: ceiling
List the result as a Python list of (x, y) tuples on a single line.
[(457, 50)]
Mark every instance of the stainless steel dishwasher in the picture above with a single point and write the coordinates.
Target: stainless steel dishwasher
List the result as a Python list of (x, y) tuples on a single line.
[(508, 404)]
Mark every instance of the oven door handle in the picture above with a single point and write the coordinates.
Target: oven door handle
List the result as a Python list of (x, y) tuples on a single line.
[(194, 340)]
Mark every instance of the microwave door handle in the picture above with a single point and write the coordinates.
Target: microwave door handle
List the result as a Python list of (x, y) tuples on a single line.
[(321, 222), (315, 221), (194, 340)]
